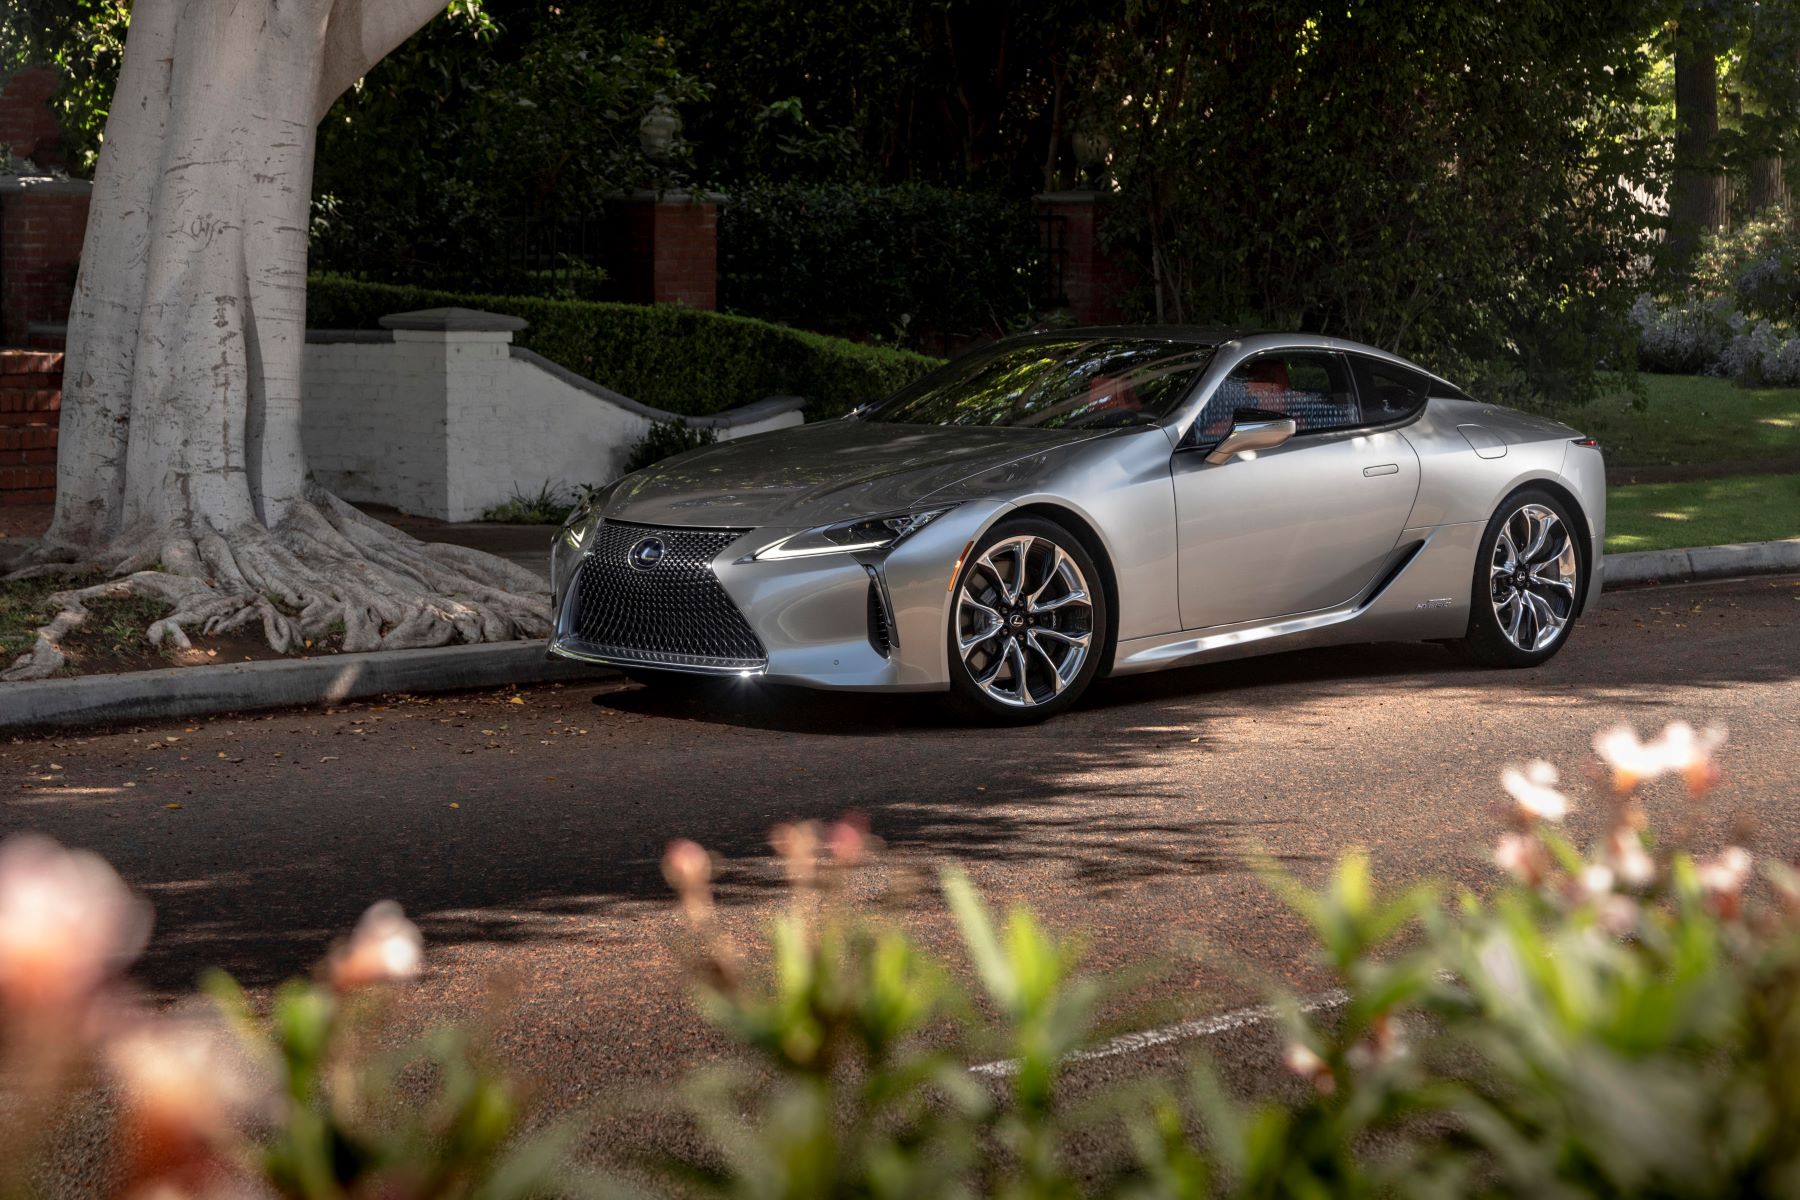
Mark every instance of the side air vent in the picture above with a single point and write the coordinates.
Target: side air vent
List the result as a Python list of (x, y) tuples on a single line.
[(881, 634)]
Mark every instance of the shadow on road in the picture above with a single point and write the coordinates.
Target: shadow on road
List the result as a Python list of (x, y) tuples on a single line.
[(497, 824)]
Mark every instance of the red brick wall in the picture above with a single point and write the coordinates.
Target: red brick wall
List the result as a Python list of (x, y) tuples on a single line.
[(30, 407), (41, 227), (26, 123), (1094, 279), (667, 250)]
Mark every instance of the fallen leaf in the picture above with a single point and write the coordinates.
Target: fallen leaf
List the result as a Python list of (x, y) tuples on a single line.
[(177, 804), (517, 700), (454, 804)]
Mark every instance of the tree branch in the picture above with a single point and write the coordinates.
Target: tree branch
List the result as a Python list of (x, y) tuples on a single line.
[(359, 34)]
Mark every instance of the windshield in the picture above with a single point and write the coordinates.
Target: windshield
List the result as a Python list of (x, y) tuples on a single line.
[(1072, 383)]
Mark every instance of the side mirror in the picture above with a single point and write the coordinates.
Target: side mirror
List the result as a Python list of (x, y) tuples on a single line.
[(1252, 429)]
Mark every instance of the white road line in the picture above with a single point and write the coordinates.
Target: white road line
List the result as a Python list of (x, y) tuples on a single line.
[(1185, 1031)]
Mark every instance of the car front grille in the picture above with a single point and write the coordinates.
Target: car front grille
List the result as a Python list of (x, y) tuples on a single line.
[(672, 612)]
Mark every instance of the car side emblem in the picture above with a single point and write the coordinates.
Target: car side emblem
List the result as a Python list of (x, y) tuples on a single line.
[(647, 553)]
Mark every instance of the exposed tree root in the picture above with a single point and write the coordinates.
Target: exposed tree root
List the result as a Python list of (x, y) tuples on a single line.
[(326, 564)]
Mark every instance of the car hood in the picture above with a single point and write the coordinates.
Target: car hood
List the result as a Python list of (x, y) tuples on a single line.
[(817, 474)]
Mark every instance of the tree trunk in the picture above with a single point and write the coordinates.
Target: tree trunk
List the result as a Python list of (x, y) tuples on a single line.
[(180, 469), (1697, 204), (1768, 184)]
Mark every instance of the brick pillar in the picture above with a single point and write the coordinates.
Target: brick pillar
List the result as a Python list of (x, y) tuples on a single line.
[(27, 126), (42, 222), (665, 248), (1095, 282), (30, 407)]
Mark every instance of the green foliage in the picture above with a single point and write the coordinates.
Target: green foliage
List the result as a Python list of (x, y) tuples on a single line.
[(684, 360), (1736, 313), (352, 1119), (665, 439), (906, 262), (1450, 181), (85, 41), (441, 164), (550, 505)]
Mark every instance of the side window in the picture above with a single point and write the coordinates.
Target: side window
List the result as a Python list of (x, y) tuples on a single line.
[(1389, 393), (1311, 387)]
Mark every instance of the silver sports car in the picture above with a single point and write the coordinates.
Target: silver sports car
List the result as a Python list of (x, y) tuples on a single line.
[(1059, 506)]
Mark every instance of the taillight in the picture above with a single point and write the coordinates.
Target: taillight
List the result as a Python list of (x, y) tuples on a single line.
[(1592, 443)]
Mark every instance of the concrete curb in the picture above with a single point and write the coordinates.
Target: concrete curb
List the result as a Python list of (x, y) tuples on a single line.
[(179, 692), (239, 687), (1701, 562)]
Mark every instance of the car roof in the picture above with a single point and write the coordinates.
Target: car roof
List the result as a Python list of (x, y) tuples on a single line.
[(1212, 336)]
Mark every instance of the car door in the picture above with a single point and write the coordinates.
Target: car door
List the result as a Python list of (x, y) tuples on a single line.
[(1304, 526)]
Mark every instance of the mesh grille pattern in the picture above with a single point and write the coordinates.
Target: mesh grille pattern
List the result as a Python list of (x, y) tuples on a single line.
[(672, 613)]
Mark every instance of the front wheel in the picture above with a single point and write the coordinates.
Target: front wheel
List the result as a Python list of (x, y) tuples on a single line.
[(1028, 623), (1527, 583)]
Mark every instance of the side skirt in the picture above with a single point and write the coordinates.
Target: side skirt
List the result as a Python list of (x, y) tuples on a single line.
[(1421, 594)]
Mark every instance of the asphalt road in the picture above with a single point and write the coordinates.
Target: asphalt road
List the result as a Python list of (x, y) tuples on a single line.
[(525, 836)]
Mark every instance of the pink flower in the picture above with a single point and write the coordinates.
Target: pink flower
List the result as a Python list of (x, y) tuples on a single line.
[(1633, 762), (186, 1088), (1689, 753), (1679, 749), (1626, 856), (1522, 856), (1723, 877), (68, 924), (1533, 789), (688, 869), (384, 947), (1305, 1062)]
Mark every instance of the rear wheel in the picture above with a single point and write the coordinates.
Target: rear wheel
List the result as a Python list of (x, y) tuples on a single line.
[(1028, 623), (1527, 583)]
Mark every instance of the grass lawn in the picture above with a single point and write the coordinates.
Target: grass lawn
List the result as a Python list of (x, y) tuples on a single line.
[(1705, 512), (1693, 419)]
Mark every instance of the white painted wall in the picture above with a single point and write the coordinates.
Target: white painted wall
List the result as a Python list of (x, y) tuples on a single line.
[(449, 423)]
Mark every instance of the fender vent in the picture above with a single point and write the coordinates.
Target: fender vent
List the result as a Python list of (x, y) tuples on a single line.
[(880, 634)]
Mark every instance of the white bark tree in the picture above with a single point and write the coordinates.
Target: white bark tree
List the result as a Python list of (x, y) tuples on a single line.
[(180, 470)]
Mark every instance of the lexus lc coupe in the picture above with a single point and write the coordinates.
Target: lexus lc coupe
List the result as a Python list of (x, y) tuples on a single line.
[(1060, 506)]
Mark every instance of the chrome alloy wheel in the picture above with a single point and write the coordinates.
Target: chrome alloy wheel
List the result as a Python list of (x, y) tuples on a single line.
[(1024, 621), (1532, 578)]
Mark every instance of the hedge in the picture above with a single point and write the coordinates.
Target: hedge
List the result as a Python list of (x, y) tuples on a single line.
[(688, 361)]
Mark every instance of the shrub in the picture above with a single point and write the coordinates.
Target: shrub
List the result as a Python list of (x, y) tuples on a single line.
[(664, 439), (912, 263), (1682, 338), (687, 361), (1763, 354)]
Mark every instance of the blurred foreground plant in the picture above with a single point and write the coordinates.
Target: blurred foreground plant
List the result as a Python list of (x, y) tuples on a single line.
[(309, 1100), (1619, 1022)]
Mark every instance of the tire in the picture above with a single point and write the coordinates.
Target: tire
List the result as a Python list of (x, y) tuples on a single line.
[(1053, 621), (1522, 607)]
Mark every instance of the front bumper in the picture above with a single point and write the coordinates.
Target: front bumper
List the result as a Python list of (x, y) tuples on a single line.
[(857, 622)]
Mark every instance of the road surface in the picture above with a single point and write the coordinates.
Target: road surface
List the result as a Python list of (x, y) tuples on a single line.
[(524, 830)]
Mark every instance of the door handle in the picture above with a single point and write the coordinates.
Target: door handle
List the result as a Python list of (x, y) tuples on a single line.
[(1383, 469)]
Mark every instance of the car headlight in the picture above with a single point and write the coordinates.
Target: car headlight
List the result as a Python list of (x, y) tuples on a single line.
[(847, 537)]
